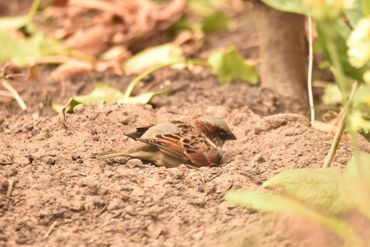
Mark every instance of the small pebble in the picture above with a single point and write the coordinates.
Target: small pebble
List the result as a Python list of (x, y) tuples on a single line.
[(134, 163), (115, 204), (51, 161)]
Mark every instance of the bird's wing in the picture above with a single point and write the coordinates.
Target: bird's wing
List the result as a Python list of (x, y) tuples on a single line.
[(181, 141), (193, 149)]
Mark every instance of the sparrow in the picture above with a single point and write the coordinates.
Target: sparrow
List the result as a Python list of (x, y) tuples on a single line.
[(197, 142)]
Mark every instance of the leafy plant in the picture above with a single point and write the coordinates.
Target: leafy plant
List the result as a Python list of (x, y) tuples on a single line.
[(318, 194), (154, 56), (324, 195), (23, 50), (210, 17), (229, 65), (104, 93)]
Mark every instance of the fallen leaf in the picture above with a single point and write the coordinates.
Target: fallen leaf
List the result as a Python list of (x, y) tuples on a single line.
[(215, 22), (317, 187), (229, 65), (104, 93), (71, 69), (162, 54), (13, 22)]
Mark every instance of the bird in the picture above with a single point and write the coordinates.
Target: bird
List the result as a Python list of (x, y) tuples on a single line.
[(197, 142)]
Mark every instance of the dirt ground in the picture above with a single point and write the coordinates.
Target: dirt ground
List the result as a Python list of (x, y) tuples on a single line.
[(53, 193), (63, 197)]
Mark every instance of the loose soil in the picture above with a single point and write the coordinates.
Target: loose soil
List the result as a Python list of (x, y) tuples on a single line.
[(63, 197), (53, 193)]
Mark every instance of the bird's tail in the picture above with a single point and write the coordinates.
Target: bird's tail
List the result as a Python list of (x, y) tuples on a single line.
[(110, 154)]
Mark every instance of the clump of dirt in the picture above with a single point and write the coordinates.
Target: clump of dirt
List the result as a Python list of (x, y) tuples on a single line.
[(61, 196)]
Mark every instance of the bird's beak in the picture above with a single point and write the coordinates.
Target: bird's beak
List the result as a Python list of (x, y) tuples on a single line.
[(231, 136)]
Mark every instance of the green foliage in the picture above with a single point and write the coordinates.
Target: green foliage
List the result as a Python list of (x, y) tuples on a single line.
[(358, 176), (354, 13), (215, 22), (229, 65), (345, 46), (205, 7), (103, 93), (184, 24), (23, 52), (359, 44), (268, 202), (211, 17), (332, 95), (302, 184), (332, 39), (13, 22), (318, 10), (359, 119), (322, 195), (332, 34), (161, 54), (365, 4)]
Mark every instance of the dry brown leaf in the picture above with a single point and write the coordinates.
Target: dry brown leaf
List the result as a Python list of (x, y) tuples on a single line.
[(91, 41), (118, 53), (107, 29), (33, 73), (188, 41), (71, 69)]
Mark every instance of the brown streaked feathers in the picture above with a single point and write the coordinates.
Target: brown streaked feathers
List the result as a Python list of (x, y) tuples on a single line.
[(170, 144)]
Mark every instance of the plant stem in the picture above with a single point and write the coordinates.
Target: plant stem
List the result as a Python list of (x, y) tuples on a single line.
[(33, 9), (14, 93), (334, 145), (142, 75), (309, 75), (330, 35), (147, 72)]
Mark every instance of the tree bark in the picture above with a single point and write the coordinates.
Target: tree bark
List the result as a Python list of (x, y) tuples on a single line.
[(283, 54)]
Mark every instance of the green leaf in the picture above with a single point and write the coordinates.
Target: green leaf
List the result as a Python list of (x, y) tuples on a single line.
[(367, 77), (57, 107), (23, 52), (322, 188), (357, 122), (358, 179), (162, 54), (332, 40), (332, 95), (318, 10), (366, 7), (141, 99), (359, 119), (215, 22), (205, 7), (13, 22), (229, 65), (359, 44), (354, 13), (104, 93), (268, 202), (72, 103), (20, 51), (182, 24)]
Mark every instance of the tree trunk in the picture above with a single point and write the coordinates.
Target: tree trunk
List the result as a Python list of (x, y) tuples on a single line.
[(283, 54)]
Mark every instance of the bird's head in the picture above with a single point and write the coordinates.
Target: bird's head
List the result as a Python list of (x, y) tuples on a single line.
[(214, 128)]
